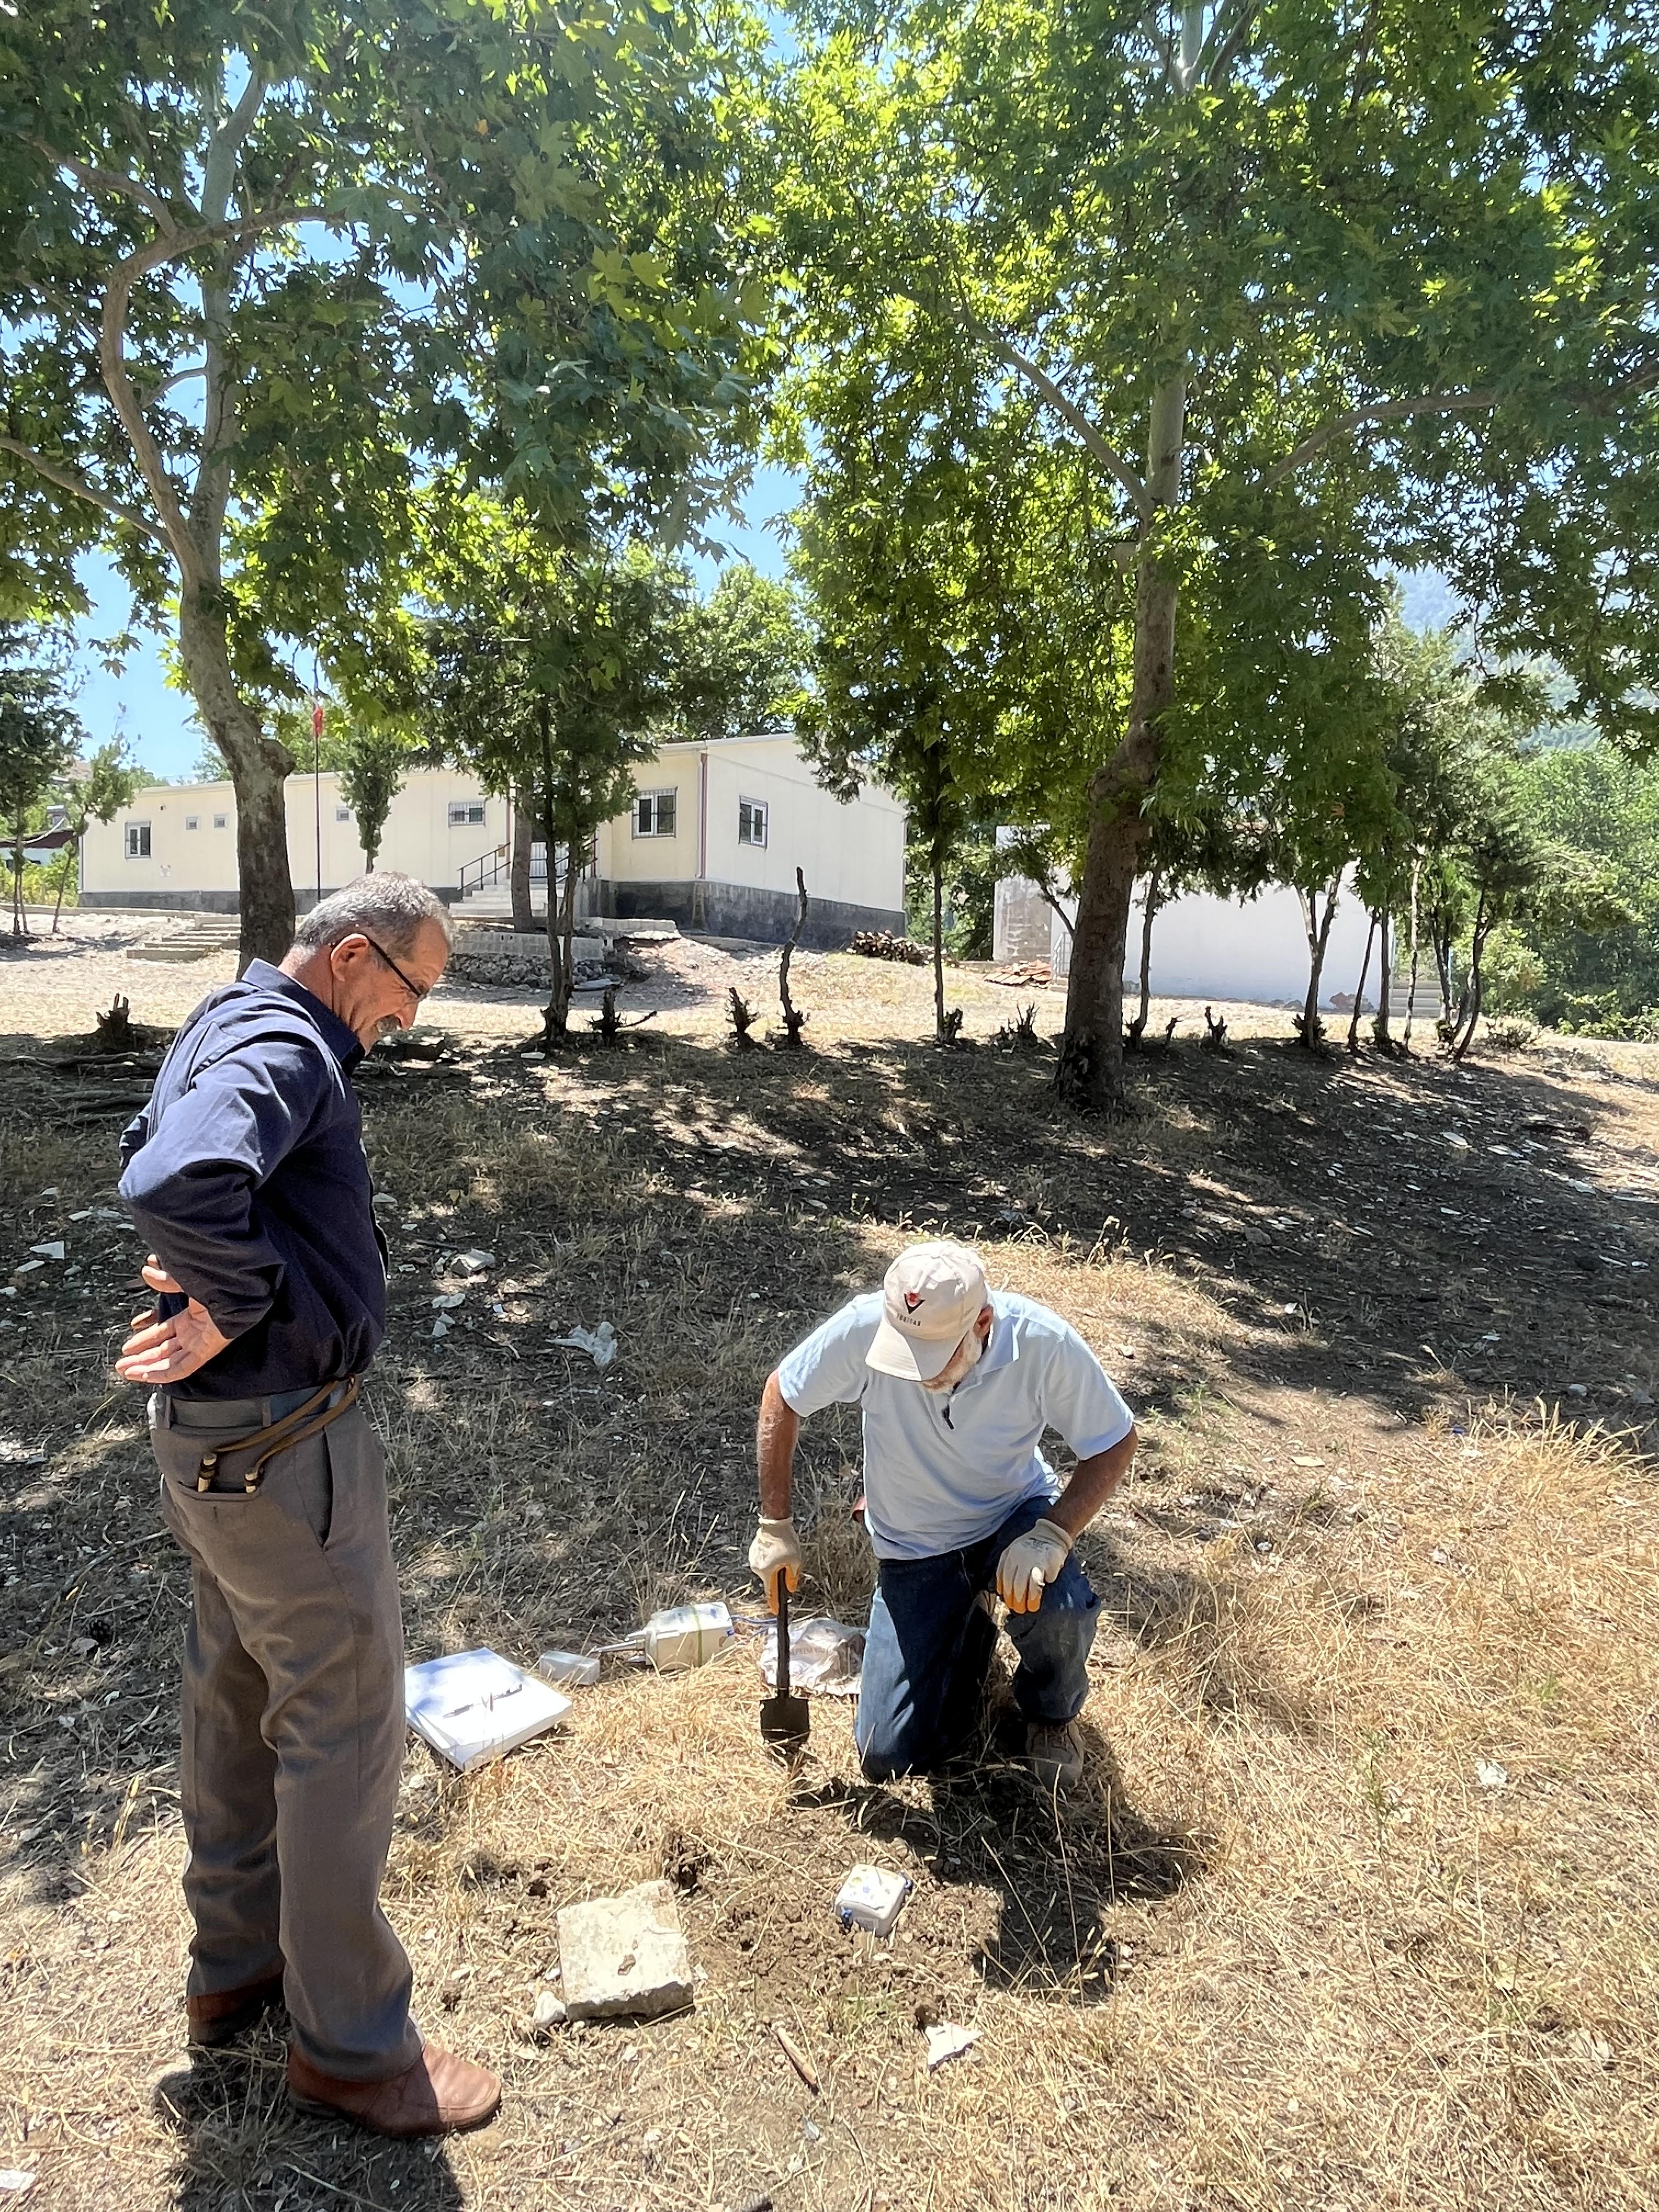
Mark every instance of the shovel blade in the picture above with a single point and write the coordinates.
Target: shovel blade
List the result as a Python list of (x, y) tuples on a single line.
[(786, 1720)]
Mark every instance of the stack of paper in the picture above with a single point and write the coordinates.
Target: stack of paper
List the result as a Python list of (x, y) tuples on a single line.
[(475, 1705)]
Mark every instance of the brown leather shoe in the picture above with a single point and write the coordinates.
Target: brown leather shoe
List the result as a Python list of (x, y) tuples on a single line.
[(438, 2095), (216, 2018)]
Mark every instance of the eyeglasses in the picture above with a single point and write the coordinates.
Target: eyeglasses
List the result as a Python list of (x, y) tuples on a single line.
[(413, 989)]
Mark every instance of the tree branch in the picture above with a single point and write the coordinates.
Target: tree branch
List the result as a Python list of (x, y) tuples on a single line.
[(178, 376), (219, 169), (98, 179), (1380, 411), (112, 359), (1222, 57), (70, 480), (1103, 450)]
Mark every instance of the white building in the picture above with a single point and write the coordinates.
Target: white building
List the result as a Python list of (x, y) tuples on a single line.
[(712, 841), (1253, 950)]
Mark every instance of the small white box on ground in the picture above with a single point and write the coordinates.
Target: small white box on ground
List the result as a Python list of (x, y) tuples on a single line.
[(579, 1667), (873, 1898)]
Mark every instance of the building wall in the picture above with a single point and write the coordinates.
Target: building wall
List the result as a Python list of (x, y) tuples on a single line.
[(852, 856), (196, 868), (737, 910), (1254, 949)]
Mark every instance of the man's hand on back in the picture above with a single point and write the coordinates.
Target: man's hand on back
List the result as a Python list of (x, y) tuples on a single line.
[(167, 1350)]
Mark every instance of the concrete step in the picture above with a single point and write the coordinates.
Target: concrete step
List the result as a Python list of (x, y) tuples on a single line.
[(199, 939)]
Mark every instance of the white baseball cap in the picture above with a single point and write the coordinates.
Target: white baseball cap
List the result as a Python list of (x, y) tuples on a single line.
[(931, 1296)]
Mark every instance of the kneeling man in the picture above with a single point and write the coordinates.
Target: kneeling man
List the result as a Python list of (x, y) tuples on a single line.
[(957, 1384)]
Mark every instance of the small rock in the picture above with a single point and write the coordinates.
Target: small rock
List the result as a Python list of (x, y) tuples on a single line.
[(48, 1251), (550, 2011), (1490, 1774), (1577, 1391), (625, 1956)]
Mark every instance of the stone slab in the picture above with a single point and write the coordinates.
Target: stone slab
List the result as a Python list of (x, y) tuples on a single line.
[(624, 1957)]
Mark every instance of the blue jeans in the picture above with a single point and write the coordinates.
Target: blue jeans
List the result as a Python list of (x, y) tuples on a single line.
[(930, 1646)]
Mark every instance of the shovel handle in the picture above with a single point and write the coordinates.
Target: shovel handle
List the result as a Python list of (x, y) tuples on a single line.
[(783, 1632)]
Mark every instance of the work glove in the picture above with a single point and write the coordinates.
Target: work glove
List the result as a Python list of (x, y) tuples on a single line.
[(1030, 1563), (775, 1551)]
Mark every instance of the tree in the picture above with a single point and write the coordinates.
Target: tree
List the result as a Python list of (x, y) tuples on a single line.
[(373, 239), (1436, 733), (1254, 266), (1590, 799), (375, 758), (39, 736), (550, 670), (95, 790), (743, 657), (900, 696)]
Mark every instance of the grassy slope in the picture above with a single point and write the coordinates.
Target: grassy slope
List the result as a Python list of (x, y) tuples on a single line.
[(1289, 1949)]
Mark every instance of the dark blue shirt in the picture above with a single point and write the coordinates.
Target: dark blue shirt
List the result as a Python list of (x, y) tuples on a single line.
[(246, 1174)]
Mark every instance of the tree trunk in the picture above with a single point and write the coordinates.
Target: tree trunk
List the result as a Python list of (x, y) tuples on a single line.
[(1384, 992), (1442, 941), (555, 1016), (20, 926), (1318, 931), (1138, 1027), (62, 885), (523, 836), (1469, 1012), (1411, 988), (1089, 1070), (259, 771), (939, 945), (1359, 995)]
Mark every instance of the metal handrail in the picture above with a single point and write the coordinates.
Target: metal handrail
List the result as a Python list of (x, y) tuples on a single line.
[(489, 866)]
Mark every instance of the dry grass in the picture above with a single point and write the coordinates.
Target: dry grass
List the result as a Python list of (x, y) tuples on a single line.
[(1288, 1950)]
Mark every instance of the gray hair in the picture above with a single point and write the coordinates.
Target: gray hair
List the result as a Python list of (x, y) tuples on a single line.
[(388, 907)]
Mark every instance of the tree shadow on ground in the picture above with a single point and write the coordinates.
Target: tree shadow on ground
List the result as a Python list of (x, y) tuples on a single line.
[(1058, 1867), (244, 2148)]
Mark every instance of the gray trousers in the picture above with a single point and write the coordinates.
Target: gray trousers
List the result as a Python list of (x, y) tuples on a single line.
[(293, 1731)]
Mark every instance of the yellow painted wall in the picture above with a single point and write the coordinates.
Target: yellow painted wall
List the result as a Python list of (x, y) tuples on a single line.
[(853, 854), (419, 840)]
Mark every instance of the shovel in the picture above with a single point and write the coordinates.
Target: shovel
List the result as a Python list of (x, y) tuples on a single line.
[(786, 1721)]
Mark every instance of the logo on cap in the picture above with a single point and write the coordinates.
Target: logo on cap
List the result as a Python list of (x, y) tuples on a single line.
[(912, 1299)]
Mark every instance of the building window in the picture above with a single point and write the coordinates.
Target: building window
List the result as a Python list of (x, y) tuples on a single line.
[(137, 840), (466, 813), (655, 813), (343, 814), (192, 821), (751, 821), (221, 821)]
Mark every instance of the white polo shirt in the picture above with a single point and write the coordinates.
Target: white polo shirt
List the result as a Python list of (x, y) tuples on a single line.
[(943, 1470)]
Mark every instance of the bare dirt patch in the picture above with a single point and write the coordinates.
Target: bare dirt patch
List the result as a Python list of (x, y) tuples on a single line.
[(1357, 1904)]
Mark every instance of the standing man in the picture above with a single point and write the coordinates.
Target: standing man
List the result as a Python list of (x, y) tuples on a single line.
[(957, 1384), (246, 1174)]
